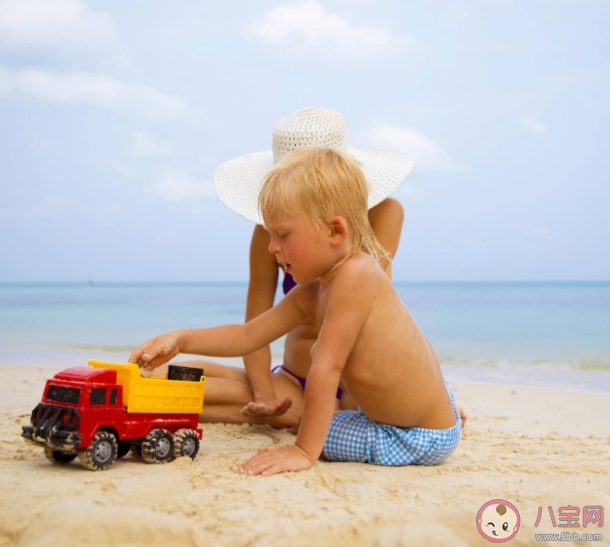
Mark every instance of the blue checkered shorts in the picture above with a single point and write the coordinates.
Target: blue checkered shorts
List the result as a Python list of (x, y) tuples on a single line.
[(355, 438)]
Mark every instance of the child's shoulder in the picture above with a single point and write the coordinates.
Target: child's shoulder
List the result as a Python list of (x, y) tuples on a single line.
[(361, 263), (358, 269)]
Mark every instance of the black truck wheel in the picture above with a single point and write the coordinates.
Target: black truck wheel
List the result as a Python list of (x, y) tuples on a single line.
[(101, 452), (158, 446), (186, 443), (57, 456)]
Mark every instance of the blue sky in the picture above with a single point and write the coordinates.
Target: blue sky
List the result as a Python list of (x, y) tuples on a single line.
[(113, 116)]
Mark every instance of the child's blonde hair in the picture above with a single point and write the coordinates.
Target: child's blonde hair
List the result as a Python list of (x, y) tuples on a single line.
[(317, 184)]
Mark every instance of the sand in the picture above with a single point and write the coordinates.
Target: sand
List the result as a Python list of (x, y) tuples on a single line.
[(530, 446)]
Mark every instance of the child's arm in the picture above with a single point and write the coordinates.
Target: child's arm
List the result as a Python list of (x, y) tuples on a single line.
[(228, 340), (345, 316)]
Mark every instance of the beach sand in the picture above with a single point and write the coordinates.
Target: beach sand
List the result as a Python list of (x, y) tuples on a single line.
[(532, 447)]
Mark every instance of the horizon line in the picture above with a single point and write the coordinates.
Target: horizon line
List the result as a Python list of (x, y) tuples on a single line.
[(93, 282)]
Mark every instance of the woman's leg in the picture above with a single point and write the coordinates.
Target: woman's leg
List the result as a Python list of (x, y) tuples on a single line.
[(224, 398), (228, 390)]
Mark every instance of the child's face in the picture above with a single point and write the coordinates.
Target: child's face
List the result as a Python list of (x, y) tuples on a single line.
[(303, 250)]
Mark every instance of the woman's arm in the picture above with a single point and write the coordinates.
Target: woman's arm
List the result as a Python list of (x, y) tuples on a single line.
[(261, 293), (386, 219)]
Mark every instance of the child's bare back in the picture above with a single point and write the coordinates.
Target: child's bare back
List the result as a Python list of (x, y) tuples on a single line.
[(391, 371)]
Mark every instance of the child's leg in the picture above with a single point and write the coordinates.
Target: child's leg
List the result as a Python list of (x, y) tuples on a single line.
[(347, 437)]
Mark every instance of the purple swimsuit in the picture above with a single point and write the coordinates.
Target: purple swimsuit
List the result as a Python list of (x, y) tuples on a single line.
[(287, 285)]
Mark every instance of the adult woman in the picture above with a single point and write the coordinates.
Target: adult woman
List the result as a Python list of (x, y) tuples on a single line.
[(256, 395)]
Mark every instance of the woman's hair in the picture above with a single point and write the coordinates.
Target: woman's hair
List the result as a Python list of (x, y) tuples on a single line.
[(317, 184)]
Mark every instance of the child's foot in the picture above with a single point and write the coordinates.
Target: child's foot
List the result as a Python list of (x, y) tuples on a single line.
[(463, 415)]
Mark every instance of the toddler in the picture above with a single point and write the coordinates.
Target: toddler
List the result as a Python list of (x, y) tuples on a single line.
[(314, 204)]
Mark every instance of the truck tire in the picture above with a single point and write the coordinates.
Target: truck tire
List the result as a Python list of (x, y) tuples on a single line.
[(158, 446), (136, 450), (57, 456), (186, 443), (123, 450), (101, 452)]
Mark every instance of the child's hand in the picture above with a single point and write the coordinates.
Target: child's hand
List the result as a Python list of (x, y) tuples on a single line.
[(267, 407), (276, 459), (157, 351)]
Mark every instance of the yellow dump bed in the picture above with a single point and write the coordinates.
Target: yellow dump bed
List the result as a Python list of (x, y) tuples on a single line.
[(156, 395)]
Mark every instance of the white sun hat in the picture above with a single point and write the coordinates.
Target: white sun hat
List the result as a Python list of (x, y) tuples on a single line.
[(238, 181)]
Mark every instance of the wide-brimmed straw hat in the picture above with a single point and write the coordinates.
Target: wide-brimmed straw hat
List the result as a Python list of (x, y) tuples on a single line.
[(238, 181)]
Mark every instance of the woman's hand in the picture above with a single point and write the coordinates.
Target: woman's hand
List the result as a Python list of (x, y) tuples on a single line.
[(267, 407), (276, 459), (157, 351)]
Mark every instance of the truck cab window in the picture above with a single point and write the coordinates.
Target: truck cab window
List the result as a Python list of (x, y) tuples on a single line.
[(98, 396), (113, 396), (63, 394)]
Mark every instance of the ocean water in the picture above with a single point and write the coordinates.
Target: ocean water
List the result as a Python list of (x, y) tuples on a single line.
[(543, 334)]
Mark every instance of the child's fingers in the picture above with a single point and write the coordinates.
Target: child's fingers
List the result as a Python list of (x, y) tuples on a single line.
[(276, 459), (257, 460), (272, 462), (278, 467), (262, 465), (159, 359), (136, 356), (266, 467), (144, 353)]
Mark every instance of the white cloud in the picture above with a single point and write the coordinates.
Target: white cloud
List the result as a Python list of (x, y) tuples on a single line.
[(54, 24), (181, 188), (97, 91), (308, 29), (532, 125), (429, 156), (144, 145)]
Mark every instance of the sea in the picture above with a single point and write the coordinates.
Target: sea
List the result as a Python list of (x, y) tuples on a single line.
[(534, 334)]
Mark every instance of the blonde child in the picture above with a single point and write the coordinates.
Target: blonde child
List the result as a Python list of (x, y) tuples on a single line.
[(314, 204)]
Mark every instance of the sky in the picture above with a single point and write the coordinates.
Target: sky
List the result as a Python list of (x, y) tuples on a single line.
[(114, 115)]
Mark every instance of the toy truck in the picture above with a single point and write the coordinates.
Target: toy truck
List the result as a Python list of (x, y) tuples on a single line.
[(106, 410)]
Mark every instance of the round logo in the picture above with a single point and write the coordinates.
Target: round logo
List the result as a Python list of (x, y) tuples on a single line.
[(498, 521)]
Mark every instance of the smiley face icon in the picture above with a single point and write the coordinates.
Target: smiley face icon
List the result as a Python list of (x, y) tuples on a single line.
[(498, 521)]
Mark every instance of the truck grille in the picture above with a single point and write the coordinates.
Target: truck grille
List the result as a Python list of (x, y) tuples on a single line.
[(46, 418)]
